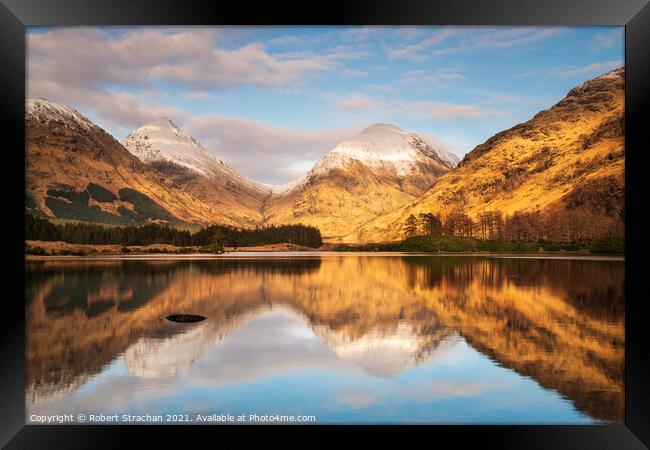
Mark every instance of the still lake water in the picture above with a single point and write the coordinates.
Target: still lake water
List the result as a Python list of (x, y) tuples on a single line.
[(358, 338)]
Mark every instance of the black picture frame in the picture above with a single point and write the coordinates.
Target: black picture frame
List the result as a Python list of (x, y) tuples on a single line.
[(15, 15)]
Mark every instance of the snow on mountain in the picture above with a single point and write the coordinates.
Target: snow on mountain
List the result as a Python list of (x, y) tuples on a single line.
[(44, 112), (613, 74), (449, 157), (377, 146), (380, 169), (380, 146), (162, 141), (285, 187)]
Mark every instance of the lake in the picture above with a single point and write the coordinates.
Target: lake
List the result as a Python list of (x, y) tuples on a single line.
[(332, 338)]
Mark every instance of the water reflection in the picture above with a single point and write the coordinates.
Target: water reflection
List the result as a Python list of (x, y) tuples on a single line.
[(378, 331)]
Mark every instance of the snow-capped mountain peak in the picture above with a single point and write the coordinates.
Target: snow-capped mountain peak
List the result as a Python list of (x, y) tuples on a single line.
[(382, 145), (44, 111), (163, 122), (378, 129), (162, 141)]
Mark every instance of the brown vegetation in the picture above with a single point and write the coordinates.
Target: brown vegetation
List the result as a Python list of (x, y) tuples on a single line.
[(559, 174)]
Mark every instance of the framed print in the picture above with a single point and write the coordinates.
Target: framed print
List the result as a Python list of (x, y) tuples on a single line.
[(367, 215)]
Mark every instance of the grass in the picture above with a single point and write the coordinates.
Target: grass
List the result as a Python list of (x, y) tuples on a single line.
[(40, 251), (444, 243), (607, 245)]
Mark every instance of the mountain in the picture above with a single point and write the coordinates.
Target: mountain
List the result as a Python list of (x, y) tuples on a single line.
[(175, 153), (568, 159), (448, 156), (382, 168), (75, 170)]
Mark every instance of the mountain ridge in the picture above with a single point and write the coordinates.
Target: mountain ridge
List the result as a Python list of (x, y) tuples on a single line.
[(382, 154), (181, 157), (569, 157), (76, 170), (381, 168)]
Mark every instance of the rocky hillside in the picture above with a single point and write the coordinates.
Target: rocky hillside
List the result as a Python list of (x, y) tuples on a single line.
[(568, 158), (75, 170), (178, 155), (379, 170)]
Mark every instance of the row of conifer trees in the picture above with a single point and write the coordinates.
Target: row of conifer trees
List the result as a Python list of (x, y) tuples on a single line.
[(87, 233)]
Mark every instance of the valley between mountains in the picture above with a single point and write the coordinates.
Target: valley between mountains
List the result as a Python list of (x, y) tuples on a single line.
[(567, 163)]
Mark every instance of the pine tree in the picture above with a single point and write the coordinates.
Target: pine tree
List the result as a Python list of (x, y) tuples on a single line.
[(410, 226)]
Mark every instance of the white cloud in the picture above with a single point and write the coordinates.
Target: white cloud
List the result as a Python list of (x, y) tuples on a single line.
[(354, 73), (500, 39), (356, 101), (472, 39), (409, 33), (199, 96), (262, 151), (124, 77), (502, 98), (380, 87), (431, 78), (444, 110), (359, 34), (189, 58), (590, 69), (608, 40), (387, 109), (441, 144), (416, 52), (112, 76), (287, 41), (120, 110)]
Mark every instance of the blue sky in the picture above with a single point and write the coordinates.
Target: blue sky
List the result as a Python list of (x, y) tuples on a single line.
[(286, 95)]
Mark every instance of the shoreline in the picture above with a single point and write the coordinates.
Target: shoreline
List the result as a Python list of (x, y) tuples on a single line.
[(51, 250), (319, 254), (61, 248)]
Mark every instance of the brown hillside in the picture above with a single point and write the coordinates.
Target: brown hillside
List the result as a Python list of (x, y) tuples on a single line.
[(567, 158), (66, 152)]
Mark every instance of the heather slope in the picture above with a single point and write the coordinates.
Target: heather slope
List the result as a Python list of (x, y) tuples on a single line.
[(569, 157)]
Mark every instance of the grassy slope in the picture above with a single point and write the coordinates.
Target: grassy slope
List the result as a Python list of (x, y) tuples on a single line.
[(65, 158), (577, 142)]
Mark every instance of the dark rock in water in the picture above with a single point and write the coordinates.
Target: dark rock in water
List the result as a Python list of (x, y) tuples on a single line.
[(185, 318)]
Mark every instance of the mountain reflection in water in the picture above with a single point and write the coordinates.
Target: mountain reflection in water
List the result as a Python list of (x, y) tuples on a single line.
[(556, 324)]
